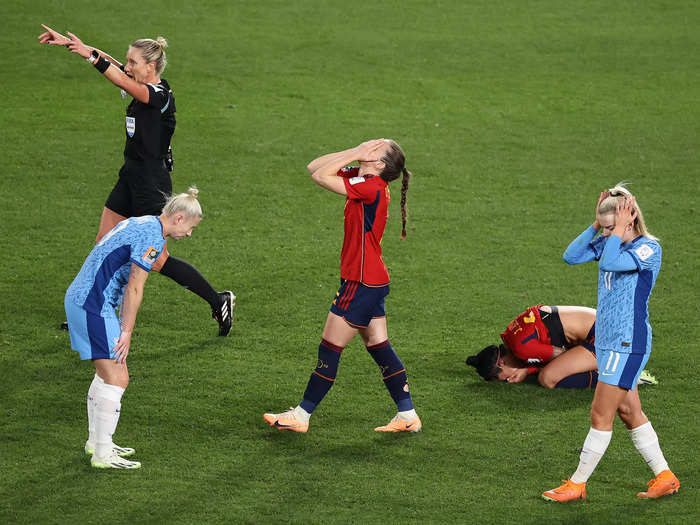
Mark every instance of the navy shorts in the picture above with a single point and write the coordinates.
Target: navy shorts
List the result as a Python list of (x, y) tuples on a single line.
[(359, 304), (142, 189)]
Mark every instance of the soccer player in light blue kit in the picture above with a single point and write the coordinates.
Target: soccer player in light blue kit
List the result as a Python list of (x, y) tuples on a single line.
[(629, 260), (111, 278)]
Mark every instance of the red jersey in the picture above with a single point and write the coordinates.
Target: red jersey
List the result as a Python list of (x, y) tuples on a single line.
[(366, 212), (528, 338)]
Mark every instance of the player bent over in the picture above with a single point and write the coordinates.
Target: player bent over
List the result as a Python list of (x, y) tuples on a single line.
[(114, 275), (629, 260), (556, 343), (359, 303)]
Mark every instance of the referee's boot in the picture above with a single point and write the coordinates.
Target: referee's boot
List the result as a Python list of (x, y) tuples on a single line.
[(224, 313)]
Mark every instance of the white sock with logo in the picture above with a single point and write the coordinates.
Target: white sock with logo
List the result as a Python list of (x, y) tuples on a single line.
[(647, 442), (107, 407), (594, 447), (92, 392)]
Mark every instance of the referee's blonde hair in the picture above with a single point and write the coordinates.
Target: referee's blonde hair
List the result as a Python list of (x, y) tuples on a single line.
[(185, 203), (609, 205), (153, 51)]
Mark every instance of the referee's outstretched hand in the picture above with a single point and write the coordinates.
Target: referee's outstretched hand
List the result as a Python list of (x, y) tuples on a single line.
[(52, 37), (75, 45)]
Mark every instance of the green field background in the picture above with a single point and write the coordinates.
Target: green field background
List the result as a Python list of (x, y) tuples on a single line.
[(513, 115)]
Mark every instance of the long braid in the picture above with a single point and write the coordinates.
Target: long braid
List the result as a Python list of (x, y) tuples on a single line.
[(404, 189), (394, 165)]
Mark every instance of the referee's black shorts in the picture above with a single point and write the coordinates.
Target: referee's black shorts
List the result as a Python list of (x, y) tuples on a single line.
[(142, 188)]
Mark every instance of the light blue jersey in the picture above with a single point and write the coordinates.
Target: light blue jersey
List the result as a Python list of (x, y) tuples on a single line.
[(626, 278), (622, 322), (99, 286)]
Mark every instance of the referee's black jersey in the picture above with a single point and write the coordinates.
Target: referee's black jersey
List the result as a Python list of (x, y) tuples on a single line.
[(149, 127)]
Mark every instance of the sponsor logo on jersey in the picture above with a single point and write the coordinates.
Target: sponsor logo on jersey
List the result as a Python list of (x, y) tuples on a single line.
[(151, 255), (534, 360), (130, 126), (356, 180), (644, 252)]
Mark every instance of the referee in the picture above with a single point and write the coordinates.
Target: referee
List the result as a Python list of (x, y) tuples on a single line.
[(144, 179)]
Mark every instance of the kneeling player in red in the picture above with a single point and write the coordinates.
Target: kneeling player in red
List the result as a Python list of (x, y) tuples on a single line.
[(554, 342), (359, 303)]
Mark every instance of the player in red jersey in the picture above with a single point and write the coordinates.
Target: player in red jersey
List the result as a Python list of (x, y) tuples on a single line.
[(555, 342), (359, 303)]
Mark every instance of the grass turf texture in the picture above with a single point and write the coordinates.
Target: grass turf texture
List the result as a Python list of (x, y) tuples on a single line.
[(513, 118)]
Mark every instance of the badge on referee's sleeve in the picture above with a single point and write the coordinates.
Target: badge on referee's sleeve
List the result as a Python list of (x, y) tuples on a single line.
[(150, 256)]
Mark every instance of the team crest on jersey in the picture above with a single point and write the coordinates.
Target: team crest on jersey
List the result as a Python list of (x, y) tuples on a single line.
[(151, 255), (130, 126), (356, 180), (644, 252)]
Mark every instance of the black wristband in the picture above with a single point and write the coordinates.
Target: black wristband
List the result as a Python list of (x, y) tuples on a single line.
[(101, 64)]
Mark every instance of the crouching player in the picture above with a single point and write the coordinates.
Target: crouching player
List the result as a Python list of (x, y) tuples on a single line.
[(554, 342), (114, 275)]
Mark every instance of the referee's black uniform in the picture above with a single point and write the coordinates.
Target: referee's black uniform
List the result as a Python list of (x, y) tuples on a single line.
[(144, 179)]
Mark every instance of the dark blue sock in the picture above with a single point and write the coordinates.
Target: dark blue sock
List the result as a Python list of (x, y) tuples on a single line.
[(323, 376), (580, 380), (394, 374)]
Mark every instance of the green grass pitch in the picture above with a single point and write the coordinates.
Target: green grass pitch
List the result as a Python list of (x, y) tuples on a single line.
[(514, 116)]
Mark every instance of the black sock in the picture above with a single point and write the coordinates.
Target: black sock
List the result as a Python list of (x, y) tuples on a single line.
[(184, 274), (580, 380)]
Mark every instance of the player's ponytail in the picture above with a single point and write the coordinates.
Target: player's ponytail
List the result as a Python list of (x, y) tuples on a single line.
[(404, 189), (394, 165), (185, 203)]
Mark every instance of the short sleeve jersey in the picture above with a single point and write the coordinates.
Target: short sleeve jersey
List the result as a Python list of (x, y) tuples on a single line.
[(99, 286), (366, 213), (149, 127), (622, 322), (528, 338)]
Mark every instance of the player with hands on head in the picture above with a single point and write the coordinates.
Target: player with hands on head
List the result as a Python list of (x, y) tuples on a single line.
[(364, 280), (111, 278), (629, 260), (144, 179)]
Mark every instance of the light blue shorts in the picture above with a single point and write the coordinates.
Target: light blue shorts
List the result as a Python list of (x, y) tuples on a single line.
[(618, 369), (92, 336)]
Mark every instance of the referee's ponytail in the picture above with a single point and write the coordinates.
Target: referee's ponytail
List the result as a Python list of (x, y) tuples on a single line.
[(153, 51), (185, 203)]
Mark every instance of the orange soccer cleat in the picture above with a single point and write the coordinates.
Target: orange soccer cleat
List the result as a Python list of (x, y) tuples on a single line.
[(569, 491), (398, 424), (286, 421), (663, 484)]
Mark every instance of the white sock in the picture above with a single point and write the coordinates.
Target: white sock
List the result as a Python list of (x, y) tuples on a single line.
[(408, 414), (647, 443), (594, 447), (107, 407), (92, 391), (301, 414)]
